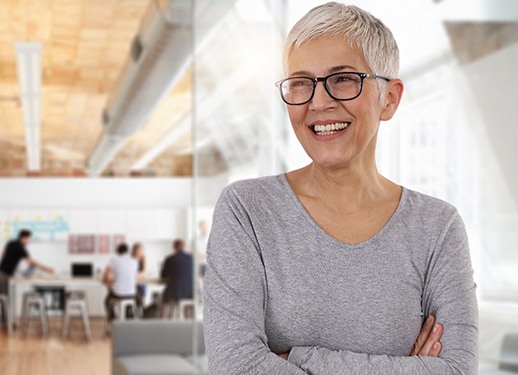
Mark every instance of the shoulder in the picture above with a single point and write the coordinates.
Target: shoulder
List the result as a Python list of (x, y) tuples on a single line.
[(427, 213), (13, 244), (113, 261), (254, 192), (253, 187), (426, 205)]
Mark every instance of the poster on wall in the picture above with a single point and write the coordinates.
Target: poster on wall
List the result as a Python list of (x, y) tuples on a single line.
[(81, 244), (104, 244), (44, 225), (73, 244), (117, 240), (87, 245), (90, 243)]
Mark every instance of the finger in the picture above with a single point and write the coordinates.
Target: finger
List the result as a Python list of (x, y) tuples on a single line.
[(435, 336), (436, 349), (423, 335)]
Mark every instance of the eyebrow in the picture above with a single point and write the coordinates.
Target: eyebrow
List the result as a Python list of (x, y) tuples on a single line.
[(334, 69)]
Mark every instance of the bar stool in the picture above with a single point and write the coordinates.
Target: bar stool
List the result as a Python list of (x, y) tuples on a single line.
[(120, 307), (182, 305), (176, 309), (76, 300), (5, 312), (34, 300)]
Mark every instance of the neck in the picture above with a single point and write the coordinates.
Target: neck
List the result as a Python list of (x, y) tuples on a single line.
[(344, 188)]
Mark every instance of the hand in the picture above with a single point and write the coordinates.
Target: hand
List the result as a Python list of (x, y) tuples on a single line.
[(428, 342), (284, 355)]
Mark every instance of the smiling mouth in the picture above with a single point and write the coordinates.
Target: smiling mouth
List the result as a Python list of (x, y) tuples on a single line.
[(329, 128)]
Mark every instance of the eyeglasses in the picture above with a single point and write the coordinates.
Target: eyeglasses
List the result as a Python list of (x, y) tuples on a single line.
[(339, 86)]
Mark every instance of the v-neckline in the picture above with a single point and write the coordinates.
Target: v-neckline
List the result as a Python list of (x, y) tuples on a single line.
[(300, 207)]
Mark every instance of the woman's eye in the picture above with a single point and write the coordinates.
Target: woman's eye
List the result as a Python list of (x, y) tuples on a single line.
[(300, 82), (346, 79)]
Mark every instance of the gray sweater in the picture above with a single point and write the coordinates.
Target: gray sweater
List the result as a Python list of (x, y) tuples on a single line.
[(277, 282)]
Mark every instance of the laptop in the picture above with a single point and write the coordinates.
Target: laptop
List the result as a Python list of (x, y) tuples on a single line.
[(82, 270)]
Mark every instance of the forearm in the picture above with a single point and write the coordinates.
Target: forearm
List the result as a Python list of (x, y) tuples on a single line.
[(40, 266), (322, 361), (234, 336)]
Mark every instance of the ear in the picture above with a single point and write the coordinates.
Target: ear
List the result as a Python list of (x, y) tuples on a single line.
[(392, 98)]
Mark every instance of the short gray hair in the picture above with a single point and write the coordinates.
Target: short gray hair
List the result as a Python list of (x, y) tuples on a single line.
[(358, 27)]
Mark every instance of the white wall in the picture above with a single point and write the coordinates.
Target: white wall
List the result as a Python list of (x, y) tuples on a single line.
[(151, 211)]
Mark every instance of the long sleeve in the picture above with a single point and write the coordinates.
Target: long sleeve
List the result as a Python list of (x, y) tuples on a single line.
[(449, 293), (235, 297)]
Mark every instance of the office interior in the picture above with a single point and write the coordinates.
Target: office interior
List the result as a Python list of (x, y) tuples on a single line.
[(123, 120)]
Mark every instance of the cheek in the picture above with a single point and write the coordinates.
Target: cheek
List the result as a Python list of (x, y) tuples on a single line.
[(297, 115)]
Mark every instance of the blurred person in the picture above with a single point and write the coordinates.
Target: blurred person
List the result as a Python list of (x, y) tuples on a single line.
[(333, 268), (137, 252), (120, 276), (14, 252), (177, 272)]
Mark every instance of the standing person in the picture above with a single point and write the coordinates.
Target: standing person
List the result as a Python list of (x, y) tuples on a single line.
[(137, 252), (177, 271), (333, 268), (120, 276), (14, 252)]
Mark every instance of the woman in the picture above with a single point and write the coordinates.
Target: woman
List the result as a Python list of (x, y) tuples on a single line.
[(334, 269), (137, 253)]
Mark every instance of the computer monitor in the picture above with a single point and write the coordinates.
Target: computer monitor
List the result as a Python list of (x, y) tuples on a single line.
[(82, 270)]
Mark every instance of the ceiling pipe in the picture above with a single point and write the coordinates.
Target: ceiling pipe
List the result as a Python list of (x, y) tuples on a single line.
[(160, 55)]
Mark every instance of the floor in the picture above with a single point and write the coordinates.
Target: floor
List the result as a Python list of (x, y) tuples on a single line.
[(54, 356)]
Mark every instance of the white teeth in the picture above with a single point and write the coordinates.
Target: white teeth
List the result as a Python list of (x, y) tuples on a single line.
[(330, 128)]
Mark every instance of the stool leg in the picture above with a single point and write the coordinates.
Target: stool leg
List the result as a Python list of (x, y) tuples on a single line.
[(9, 319), (44, 322), (66, 322), (3, 317), (122, 312), (86, 323), (136, 311), (24, 315), (27, 310)]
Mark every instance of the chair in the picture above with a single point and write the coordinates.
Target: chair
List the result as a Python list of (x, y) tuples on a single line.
[(508, 364), (156, 347), (509, 358), (34, 300), (176, 309), (182, 305), (120, 307), (76, 300), (5, 312)]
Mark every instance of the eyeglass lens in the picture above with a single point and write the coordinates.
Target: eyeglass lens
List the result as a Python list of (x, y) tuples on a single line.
[(342, 86)]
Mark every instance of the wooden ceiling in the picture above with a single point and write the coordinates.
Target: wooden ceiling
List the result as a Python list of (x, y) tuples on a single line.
[(85, 46)]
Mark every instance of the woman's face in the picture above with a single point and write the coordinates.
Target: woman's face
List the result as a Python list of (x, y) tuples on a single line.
[(319, 58)]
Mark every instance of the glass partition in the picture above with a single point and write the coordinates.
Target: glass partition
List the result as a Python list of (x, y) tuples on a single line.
[(239, 124)]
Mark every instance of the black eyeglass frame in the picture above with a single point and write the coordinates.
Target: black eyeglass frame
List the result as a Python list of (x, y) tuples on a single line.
[(324, 81)]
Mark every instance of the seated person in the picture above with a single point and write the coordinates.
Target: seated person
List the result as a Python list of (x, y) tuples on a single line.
[(120, 276), (14, 252), (177, 272), (137, 252)]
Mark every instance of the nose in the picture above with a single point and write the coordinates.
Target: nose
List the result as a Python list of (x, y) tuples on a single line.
[(321, 99)]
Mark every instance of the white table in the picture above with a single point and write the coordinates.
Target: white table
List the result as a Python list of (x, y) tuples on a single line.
[(95, 291)]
